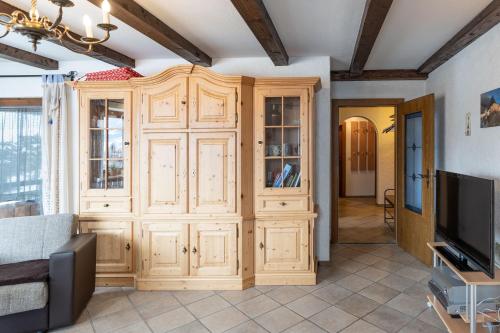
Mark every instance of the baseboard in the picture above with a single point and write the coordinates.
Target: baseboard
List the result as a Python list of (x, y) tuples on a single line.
[(195, 283), (294, 279), (115, 281)]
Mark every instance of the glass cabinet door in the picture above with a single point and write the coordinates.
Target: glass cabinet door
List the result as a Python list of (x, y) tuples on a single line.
[(107, 144)]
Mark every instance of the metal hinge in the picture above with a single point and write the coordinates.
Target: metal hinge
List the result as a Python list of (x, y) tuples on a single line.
[(236, 115), (308, 96), (237, 264), (142, 233), (142, 98), (308, 184), (142, 118), (142, 264)]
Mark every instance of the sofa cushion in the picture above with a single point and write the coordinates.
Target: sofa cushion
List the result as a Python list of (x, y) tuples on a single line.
[(34, 237), (23, 297), (24, 272)]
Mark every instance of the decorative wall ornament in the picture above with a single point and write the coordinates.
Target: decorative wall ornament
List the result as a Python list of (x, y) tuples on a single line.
[(490, 108)]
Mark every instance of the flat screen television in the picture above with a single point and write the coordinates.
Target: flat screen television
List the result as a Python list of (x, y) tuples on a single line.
[(465, 217)]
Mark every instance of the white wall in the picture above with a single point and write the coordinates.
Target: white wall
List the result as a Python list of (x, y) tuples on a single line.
[(377, 89), (380, 117), (262, 66), (457, 86)]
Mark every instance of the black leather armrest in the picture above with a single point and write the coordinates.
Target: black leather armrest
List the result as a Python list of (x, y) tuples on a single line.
[(71, 279)]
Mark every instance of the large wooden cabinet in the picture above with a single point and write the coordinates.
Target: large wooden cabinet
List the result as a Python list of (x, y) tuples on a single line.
[(167, 169)]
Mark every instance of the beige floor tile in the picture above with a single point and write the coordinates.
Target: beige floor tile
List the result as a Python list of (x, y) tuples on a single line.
[(351, 266), (367, 259), (115, 321), (109, 306), (362, 326), (332, 293), (389, 266), (418, 291), (379, 293), (224, 320), (170, 320), (247, 327), (139, 327), (286, 294), (188, 296), (207, 306), (265, 289), (357, 305), (84, 327), (258, 305), (308, 305), (418, 326), (397, 282), (333, 319), (354, 283), (104, 293), (238, 296), (158, 306), (193, 327), (278, 319), (318, 285), (407, 304), (332, 274), (305, 327), (430, 317), (387, 319), (140, 297), (372, 274), (413, 273)]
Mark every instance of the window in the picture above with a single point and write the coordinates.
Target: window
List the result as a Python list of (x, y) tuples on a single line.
[(20, 150)]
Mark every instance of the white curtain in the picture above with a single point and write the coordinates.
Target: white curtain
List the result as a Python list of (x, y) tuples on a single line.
[(55, 145)]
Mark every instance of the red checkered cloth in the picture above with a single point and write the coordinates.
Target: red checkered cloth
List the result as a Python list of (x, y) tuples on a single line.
[(118, 74)]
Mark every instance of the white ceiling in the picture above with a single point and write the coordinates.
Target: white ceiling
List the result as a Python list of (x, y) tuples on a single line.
[(413, 30)]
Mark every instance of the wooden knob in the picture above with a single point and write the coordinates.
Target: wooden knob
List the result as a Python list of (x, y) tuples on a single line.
[(184, 250), (194, 250), (106, 205), (127, 247), (261, 245), (283, 203)]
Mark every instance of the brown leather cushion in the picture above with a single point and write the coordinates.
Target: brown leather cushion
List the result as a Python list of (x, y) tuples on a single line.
[(24, 272)]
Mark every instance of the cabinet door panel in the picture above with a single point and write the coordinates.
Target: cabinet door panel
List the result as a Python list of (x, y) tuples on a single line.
[(165, 106), (282, 246), (212, 105), (164, 173), (213, 249), (165, 249), (114, 245), (212, 164)]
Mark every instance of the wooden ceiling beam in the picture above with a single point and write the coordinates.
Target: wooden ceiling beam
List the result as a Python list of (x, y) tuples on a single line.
[(373, 19), (131, 13), (378, 75), (99, 52), (482, 23), (258, 20), (27, 58)]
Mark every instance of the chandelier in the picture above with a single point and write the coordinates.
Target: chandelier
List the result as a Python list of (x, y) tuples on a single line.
[(38, 28)]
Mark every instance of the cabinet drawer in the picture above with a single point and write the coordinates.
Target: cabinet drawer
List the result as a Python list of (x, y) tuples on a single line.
[(283, 204), (105, 205)]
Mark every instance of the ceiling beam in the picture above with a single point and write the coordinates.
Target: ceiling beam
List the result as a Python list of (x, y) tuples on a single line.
[(378, 75), (482, 23), (99, 52), (131, 13), (27, 58), (373, 19), (258, 20)]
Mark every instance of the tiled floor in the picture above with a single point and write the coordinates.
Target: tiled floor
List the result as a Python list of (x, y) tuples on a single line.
[(362, 221), (368, 288)]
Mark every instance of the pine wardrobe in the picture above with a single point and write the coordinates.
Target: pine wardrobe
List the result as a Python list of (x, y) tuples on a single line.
[(196, 180)]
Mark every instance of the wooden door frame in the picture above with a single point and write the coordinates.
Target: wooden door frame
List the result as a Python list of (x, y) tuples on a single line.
[(334, 150)]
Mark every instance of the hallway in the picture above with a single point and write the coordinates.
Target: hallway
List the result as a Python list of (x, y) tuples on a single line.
[(362, 221)]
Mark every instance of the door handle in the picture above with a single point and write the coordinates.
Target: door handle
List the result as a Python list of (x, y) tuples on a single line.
[(260, 142), (184, 250), (126, 143), (261, 245), (127, 247), (194, 250), (426, 176)]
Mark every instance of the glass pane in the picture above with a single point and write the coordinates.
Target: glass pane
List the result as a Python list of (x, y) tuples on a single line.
[(413, 162), (273, 173), (115, 144), (291, 171), (291, 144), (97, 113), (292, 111), (115, 174), (97, 144), (97, 171), (273, 142), (273, 111), (115, 113)]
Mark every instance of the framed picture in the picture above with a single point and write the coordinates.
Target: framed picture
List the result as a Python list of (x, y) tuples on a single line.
[(490, 108)]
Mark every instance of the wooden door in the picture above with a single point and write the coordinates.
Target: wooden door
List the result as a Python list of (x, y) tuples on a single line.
[(114, 245), (163, 173), (213, 249), (165, 249), (415, 176), (165, 105), (212, 164), (212, 105), (282, 245)]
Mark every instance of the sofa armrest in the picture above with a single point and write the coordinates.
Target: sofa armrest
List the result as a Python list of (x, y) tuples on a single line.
[(71, 279)]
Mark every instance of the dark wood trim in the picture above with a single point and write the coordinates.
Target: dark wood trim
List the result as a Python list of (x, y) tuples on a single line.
[(258, 20), (373, 19), (131, 13), (99, 52), (27, 58), (31, 101), (482, 23), (336, 104), (378, 75)]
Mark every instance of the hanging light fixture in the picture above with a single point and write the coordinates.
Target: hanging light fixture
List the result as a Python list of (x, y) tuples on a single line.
[(38, 28)]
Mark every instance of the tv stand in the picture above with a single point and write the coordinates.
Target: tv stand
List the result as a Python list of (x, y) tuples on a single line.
[(459, 261)]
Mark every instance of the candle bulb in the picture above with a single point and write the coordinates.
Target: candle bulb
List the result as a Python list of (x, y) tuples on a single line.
[(88, 26), (106, 8)]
